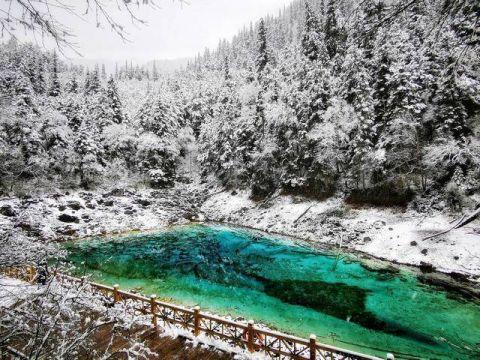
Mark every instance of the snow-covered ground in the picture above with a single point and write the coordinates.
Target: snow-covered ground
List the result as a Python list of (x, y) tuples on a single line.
[(82, 214), (392, 234)]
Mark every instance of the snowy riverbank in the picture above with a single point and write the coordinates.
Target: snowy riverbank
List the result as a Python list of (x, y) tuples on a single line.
[(83, 214), (387, 233), (392, 234)]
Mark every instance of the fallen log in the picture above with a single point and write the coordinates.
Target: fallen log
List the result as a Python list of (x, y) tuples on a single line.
[(469, 219), (464, 220), (302, 214)]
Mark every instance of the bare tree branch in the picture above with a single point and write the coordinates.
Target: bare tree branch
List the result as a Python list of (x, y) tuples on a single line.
[(41, 17)]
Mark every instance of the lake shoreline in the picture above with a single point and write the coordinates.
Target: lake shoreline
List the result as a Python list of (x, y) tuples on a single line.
[(391, 234), (61, 217)]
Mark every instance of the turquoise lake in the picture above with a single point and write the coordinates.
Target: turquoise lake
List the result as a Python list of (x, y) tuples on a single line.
[(289, 287)]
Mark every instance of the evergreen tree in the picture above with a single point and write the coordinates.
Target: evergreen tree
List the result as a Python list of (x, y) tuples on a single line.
[(104, 73), (113, 102), (226, 70), (262, 55), (86, 85), (72, 85), (332, 32), (89, 154), (39, 84), (72, 110), (312, 42), (451, 115), (154, 72), (23, 97), (92, 83), (54, 82), (160, 115)]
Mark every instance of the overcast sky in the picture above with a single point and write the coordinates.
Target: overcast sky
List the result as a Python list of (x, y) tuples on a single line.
[(174, 31)]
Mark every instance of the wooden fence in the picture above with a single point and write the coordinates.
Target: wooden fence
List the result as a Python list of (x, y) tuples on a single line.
[(242, 335)]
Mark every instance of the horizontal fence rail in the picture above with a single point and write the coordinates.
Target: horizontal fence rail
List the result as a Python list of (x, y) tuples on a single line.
[(242, 335)]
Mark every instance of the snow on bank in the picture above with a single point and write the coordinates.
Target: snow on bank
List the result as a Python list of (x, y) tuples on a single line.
[(12, 290), (80, 214), (387, 233)]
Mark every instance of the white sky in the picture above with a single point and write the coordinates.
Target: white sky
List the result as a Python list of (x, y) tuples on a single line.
[(174, 31)]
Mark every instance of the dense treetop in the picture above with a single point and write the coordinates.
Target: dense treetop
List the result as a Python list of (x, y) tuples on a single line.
[(370, 99)]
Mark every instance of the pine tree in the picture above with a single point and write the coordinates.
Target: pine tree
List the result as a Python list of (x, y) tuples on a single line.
[(54, 83), (160, 115), (113, 102), (39, 85), (23, 97), (154, 72), (92, 83), (313, 74), (95, 85), (87, 84), (89, 154), (451, 114), (262, 55), (312, 42), (72, 110), (72, 85), (104, 73), (332, 32)]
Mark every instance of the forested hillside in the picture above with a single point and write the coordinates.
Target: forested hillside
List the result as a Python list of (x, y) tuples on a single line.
[(375, 100)]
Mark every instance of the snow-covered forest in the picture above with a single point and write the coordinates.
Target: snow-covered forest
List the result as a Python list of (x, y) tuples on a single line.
[(357, 98), (350, 123)]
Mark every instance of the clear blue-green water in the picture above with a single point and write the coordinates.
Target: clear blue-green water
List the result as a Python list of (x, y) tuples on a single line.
[(292, 288)]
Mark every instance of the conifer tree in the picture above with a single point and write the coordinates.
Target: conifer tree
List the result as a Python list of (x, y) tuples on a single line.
[(113, 102), (450, 112), (311, 38), (54, 82), (71, 108), (23, 97), (154, 72), (72, 85), (92, 83), (262, 55), (39, 85), (89, 153), (332, 32)]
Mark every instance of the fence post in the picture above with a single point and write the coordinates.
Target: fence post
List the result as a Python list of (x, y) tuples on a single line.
[(313, 347), (390, 356), (30, 275), (153, 310), (196, 318), (250, 336), (116, 295)]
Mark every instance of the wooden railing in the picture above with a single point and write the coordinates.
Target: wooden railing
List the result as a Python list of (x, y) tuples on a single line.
[(242, 335)]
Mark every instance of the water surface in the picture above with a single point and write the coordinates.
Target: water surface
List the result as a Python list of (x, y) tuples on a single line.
[(289, 287)]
